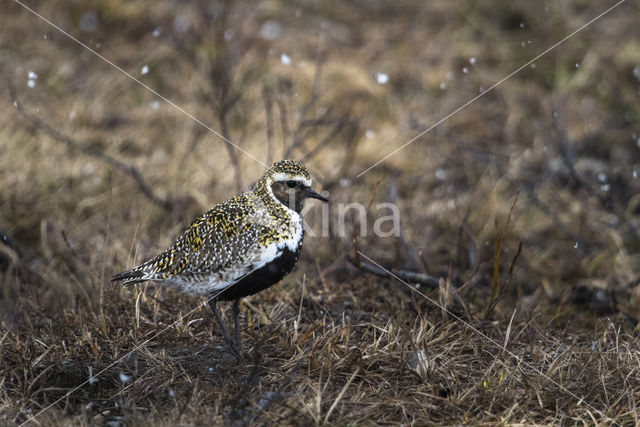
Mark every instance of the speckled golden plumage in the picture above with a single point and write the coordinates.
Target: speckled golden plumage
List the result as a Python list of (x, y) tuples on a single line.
[(233, 238)]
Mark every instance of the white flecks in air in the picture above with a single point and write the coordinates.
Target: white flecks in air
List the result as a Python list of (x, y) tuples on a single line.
[(473, 60), (181, 23), (575, 246), (89, 22), (605, 188), (124, 378), (465, 70), (370, 134), (533, 65), (172, 393), (155, 105), (449, 75), (15, 103), (156, 33), (441, 174), (602, 177), (145, 70), (382, 78), (481, 89), (46, 37), (72, 115), (635, 174), (270, 30), (285, 59), (577, 65), (443, 86), (31, 83), (522, 25), (32, 75), (345, 182)]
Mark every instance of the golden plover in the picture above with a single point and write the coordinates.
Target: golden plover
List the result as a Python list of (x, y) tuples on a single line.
[(240, 246)]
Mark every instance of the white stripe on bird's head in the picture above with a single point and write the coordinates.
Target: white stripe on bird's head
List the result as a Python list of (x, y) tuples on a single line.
[(284, 177)]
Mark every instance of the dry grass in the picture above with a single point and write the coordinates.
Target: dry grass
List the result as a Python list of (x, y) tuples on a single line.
[(535, 320)]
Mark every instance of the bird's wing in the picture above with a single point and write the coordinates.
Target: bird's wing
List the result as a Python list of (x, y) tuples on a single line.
[(222, 239)]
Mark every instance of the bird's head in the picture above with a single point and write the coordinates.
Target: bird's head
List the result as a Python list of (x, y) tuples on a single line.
[(290, 184)]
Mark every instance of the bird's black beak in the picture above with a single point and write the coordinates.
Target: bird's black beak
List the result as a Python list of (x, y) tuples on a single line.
[(313, 194)]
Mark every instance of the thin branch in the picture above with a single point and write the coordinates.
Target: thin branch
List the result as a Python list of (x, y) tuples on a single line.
[(297, 134), (284, 117), (268, 109), (406, 275), (92, 152), (402, 238), (325, 141)]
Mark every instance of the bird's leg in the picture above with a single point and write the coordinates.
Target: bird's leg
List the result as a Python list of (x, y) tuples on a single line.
[(223, 328), (236, 314)]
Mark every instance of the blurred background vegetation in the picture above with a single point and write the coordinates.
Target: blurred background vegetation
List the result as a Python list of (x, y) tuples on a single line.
[(525, 201)]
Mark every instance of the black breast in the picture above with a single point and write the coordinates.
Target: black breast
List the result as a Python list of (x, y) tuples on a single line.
[(263, 277)]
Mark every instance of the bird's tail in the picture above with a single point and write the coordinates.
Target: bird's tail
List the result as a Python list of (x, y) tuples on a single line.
[(130, 276)]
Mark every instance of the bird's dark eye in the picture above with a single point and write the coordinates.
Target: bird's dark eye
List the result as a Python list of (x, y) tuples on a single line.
[(291, 184)]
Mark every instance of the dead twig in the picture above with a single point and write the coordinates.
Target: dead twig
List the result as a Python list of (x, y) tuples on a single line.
[(92, 152), (358, 227), (268, 110), (298, 138), (337, 128), (406, 275), (401, 237)]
